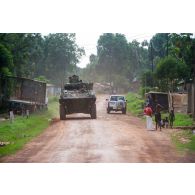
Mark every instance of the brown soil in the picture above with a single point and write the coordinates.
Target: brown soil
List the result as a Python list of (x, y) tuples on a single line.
[(109, 138)]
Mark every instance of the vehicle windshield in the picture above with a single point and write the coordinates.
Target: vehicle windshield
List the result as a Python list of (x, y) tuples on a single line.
[(116, 98)]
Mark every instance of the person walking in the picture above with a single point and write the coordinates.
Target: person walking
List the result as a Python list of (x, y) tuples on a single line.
[(158, 116), (148, 114), (171, 118), (166, 122), (158, 120)]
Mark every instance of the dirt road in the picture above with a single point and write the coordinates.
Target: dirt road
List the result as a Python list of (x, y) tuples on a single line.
[(109, 138)]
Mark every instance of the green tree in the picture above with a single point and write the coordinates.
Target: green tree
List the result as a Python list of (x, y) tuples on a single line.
[(158, 45), (147, 79), (6, 61), (112, 51), (61, 55), (171, 70), (90, 70), (138, 61), (23, 47), (36, 56), (52, 56), (182, 47), (117, 62)]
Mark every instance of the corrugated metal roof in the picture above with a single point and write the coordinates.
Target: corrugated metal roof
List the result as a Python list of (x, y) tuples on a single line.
[(156, 92), (16, 77)]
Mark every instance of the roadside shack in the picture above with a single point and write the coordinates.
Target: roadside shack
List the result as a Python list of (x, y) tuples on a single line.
[(154, 98), (177, 101), (22, 93)]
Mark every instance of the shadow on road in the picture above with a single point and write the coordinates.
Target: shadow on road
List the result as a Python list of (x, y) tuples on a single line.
[(117, 113), (77, 118)]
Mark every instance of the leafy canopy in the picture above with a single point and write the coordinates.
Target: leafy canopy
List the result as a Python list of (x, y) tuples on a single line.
[(6, 60)]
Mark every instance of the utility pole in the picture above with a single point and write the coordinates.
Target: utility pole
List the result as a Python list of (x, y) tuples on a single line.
[(152, 61), (193, 92), (152, 57), (167, 44)]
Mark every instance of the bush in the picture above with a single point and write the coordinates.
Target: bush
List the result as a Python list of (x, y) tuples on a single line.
[(184, 140), (135, 104)]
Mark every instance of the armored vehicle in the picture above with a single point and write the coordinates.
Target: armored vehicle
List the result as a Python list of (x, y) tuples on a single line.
[(77, 97)]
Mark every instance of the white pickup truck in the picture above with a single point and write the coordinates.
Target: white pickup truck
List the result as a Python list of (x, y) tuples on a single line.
[(117, 103)]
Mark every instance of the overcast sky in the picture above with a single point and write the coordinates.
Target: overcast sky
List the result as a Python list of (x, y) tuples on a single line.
[(89, 42)]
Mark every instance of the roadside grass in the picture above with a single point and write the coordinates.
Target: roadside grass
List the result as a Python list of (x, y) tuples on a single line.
[(53, 107), (183, 120), (23, 130), (184, 140), (135, 104), (180, 119)]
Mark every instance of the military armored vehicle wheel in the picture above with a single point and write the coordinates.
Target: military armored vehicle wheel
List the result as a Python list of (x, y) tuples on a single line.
[(62, 113), (124, 111), (93, 112), (108, 110)]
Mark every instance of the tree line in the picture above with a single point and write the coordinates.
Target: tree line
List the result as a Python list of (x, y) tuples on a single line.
[(117, 61), (33, 55), (160, 64), (173, 58)]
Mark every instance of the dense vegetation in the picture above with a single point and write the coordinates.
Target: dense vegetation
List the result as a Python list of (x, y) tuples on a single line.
[(33, 55), (135, 104), (117, 61), (161, 64), (173, 60), (184, 140)]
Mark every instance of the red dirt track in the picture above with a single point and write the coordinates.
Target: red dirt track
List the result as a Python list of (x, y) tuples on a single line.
[(110, 138)]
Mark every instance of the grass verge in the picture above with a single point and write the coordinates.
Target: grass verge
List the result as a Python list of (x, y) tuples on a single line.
[(180, 119), (184, 140), (135, 104), (22, 130)]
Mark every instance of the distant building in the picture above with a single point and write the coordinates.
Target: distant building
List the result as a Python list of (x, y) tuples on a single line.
[(52, 90), (135, 85), (19, 92), (177, 101), (153, 98)]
